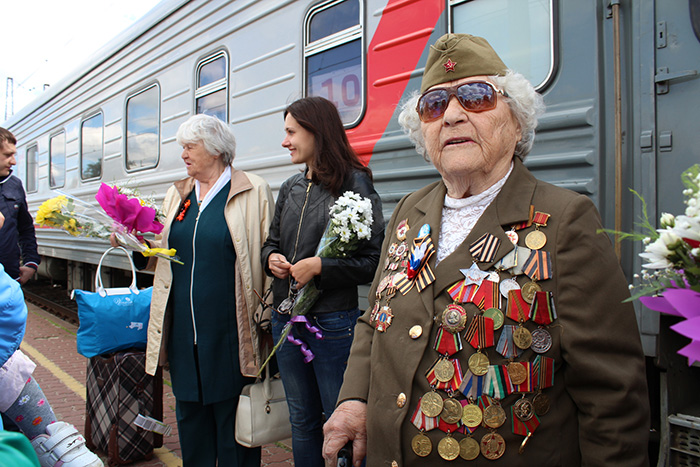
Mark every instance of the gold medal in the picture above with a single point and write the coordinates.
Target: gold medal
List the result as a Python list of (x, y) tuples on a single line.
[(517, 373), (431, 404), (469, 449), (522, 337), (497, 316), (493, 446), (479, 364), (421, 445), (528, 291), (535, 239), (541, 340), (451, 411), (448, 448), (541, 403), (454, 318), (523, 409), (472, 415), (444, 370), (494, 416)]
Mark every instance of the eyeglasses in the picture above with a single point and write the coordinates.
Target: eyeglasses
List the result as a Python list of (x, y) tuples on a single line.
[(476, 96)]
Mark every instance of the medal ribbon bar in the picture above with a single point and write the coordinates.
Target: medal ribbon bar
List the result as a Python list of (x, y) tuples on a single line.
[(543, 308)]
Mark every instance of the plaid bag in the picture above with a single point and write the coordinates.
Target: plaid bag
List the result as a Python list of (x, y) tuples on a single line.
[(118, 389)]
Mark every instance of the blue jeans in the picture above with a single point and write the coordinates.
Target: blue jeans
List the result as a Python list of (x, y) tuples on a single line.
[(312, 389)]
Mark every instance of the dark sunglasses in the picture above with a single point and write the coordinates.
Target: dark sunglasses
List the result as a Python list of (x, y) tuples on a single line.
[(476, 96)]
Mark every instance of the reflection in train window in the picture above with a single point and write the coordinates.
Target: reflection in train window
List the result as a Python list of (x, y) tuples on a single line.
[(333, 56), (212, 86), (91, 147), (32, 169), (57, 160), (519, 30), (142, 129)]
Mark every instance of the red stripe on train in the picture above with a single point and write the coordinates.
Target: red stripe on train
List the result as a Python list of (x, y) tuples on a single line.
[(393, 55)]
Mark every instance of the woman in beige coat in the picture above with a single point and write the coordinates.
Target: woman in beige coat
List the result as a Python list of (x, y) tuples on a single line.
[(202, 312)]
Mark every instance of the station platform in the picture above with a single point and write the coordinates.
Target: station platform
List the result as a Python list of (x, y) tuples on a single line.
[(50, 342)]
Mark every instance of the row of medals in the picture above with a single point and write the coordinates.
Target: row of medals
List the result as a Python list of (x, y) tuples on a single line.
[(450, 410)]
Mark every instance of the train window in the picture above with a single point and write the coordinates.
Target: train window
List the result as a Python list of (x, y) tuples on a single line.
[(91, 147), (519, 30), (212, 86), (32, 169), (142, 129), (57, 160), (333, 56)]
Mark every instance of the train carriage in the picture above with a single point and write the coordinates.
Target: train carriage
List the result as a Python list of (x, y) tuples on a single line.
[(619, 79)]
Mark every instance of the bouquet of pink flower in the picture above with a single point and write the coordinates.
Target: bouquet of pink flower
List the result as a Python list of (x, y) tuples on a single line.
[(125, 207)]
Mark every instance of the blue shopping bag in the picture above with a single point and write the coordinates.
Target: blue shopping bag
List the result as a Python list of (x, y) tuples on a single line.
[(112, 319)]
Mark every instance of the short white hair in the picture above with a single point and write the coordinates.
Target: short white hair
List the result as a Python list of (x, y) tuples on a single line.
[(526, 104), (215, 135)]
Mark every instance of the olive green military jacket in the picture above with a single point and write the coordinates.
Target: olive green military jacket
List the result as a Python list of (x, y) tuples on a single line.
[(599, 413)]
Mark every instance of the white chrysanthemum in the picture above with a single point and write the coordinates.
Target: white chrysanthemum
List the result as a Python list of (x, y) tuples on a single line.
[(656, 255), (667, 220), (345, 234)]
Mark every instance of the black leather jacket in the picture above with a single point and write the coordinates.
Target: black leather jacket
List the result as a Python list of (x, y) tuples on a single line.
[(297, 237), (17, 237)]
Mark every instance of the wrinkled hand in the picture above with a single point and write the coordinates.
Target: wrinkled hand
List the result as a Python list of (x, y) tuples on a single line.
[(25, 273), (305, 270), (278, 265), (348, 423)]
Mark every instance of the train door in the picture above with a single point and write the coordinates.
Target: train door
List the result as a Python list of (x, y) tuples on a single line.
[(677, 89)]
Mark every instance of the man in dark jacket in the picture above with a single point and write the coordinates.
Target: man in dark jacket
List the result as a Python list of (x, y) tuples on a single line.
[(17, 238)]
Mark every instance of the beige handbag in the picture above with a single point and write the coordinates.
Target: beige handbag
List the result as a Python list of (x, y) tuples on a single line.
[(262, 416)]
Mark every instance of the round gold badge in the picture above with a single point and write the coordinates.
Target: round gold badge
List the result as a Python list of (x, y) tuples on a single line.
[(451, 411), (421, 445), (472, 415), (535, 239), (528, 291), (431, 404), (494, 416), (522, 337), (469, 449), (517, 373), (479, 364), (493, 446), (448, 448)]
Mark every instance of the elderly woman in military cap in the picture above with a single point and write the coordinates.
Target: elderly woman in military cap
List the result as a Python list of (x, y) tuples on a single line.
[(500, 337)]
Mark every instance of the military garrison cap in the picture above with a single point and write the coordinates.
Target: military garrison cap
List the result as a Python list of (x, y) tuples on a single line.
[(457, 56)]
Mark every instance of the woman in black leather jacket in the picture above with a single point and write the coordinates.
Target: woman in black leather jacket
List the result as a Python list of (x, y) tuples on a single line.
[(315, 136)]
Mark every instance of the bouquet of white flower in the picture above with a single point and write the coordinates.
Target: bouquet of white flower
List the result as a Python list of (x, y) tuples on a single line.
[(350, 224), (670, 278)]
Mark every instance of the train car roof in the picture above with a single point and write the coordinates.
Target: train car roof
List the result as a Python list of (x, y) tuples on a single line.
[(157, 14)]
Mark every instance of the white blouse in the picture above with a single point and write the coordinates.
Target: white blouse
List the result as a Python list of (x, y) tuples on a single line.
[(459, 215)]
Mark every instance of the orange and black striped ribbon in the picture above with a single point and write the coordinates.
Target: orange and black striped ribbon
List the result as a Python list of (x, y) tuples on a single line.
[(538, 266), (485, 248), (480, 332)]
